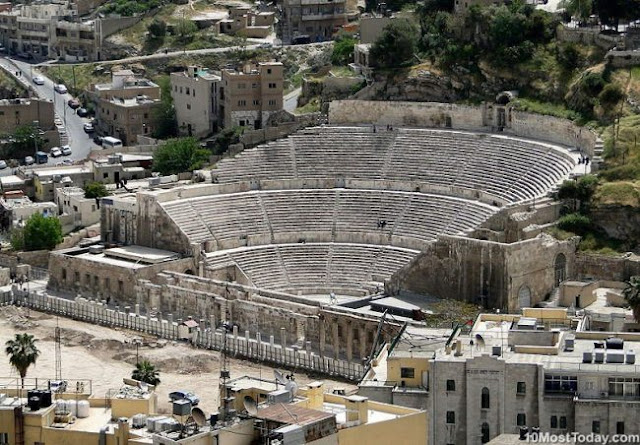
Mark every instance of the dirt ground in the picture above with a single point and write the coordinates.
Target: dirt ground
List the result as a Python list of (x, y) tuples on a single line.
[(106, 355)]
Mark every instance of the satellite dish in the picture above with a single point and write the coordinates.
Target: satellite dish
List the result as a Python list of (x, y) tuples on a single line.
[(279, 377), (250, 405), (199, 417), (292, 387)]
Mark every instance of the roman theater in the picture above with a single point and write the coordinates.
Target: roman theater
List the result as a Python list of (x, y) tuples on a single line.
[(312, 237)]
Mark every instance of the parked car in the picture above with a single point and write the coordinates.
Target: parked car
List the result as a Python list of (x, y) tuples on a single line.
[(58, 386), (98, 140), (88, 128), (67, 162), (66, 150), (74, 104), (38, 80), (60, 88), (184, 395), (3, 164), (55, 152), (82, 112), (29, 160)]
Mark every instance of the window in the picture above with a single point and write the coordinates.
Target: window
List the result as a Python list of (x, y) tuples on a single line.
[(563, 422), (186, 91), (188, 106), (4, 438), (105, 175), (120, 286), (256, 102), (485, 399), (619, 427), (521, 388), (451, 385), (620, 386), (554, 422), (64, 274), (146, 115), (595, 426), (254, 85), (76, 277), (268, 70), (451, 417), (272, 102), (242, 103), (115, 116), (560, 384), (521, 419), (407, 373), (272, 86), (242, 124)]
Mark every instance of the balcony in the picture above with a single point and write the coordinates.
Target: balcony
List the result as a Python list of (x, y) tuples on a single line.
[(323, 16)]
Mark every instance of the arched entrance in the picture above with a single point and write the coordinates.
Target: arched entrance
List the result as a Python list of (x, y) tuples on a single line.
[(524, 297), (484, 431), (560, 268)]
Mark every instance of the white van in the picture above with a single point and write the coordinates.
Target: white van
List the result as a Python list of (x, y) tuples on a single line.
[(109, 142)]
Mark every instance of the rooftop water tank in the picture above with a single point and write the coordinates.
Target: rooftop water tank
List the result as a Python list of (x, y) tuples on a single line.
[(599, 356), (631, 357), (615, 343), (82, 409), (587, 357)]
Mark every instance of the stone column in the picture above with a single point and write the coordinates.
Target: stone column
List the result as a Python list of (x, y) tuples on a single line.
[(336, 340), (349, 328), (283, 337), (323, 337), (363, 341)]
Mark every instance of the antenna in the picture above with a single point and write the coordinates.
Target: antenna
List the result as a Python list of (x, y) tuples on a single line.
[(251, 406), (58, 353), (279, 377)]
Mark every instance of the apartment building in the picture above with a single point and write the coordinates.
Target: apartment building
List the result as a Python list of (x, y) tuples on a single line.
[(30, 29), (317, 19), (542, 369), (195, 98), (17, 112), (76, 41), (247, 22), (250, 96), (124, 107)]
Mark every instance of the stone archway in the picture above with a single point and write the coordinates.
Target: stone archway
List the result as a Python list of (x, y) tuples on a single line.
[(560, 269), (524, 296)]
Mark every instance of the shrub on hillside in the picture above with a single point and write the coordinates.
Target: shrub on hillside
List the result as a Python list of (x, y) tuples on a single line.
[(576, 223)]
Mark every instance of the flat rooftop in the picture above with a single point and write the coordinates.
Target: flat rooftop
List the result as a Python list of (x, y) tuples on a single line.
[(11, 181), (246, 382), (374, 416), (293, 414), (141, 253)]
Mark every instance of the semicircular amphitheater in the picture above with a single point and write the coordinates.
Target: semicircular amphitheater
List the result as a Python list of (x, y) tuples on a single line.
[(340, 209)]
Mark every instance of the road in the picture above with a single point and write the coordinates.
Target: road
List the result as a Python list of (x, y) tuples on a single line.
[(291, 100), (81, 143)]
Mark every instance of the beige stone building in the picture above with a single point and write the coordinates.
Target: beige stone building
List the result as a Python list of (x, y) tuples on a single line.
[(246, 22), (76, 41), (124, 107), (195, 98), (317, 19), (17, 112), (81, 211), (249, 97)]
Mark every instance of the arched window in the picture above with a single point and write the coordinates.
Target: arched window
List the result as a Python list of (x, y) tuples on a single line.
[(485, 402), (524, 297), (560, 266), (484, 430)]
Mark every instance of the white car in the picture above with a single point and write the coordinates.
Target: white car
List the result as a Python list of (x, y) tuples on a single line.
[(59, 88), (29, 160), (3, 164), (38, 80), (66, 150), (55, 152), (88, 127)]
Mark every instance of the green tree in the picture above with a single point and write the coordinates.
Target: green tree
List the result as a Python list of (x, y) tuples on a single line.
[(610, 96), (95, 190), (157, 29), (22, 352), (397, 44), (164, 115), (343, 51), (581, 9), (146, 372), (576, 223), (178, 156), (25, 140), (42, 233), (17, 238), (631, 294), (185, 30)]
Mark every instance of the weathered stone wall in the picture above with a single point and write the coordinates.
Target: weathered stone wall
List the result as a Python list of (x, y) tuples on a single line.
[(485, 272), (81, 276), (621, 222), (336, 332), (464, 117), (587, 36), (603, 267)]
